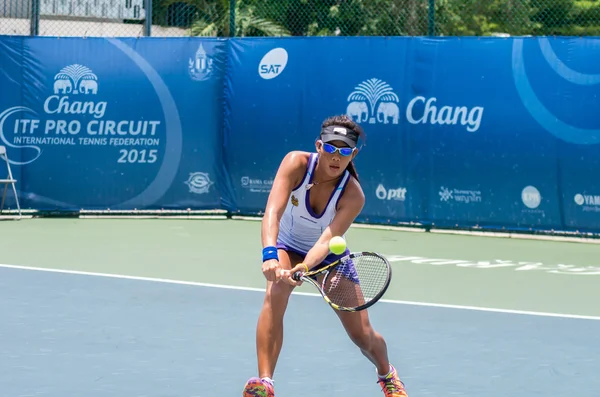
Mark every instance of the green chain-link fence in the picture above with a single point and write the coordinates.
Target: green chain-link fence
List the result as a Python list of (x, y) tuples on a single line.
[(226, 18)]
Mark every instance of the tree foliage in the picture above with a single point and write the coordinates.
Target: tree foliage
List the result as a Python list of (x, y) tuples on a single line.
[(382, 17)]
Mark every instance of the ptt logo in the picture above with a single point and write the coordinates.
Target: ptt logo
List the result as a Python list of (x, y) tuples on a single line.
[(398, 194), (273, 63)]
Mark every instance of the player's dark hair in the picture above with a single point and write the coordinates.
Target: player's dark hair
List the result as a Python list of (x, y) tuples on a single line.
[(347, 122)]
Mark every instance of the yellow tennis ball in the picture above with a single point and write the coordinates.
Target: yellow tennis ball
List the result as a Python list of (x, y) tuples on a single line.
[(337, 245)]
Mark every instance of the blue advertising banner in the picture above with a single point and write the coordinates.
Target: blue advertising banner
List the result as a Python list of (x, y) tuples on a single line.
[(114, 123), (488, 132), (460, 131)]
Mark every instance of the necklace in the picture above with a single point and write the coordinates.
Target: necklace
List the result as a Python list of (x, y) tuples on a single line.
[(309, 185)]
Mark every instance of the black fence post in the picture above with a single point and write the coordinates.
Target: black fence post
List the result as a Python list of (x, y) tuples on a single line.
[(231, 18), (148, 22), (431, 24), (34, 27)]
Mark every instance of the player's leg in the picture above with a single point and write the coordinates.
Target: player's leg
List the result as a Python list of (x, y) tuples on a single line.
[(360, 330), (269, 330), (357, 324)]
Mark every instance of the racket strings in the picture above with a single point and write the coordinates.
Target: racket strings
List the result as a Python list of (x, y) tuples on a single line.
[(357, 281)]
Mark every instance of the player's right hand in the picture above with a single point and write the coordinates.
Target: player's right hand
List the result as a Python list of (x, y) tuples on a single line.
[(271, 269)]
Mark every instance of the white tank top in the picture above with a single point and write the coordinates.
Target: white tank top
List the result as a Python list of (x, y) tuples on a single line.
[(300, 228)]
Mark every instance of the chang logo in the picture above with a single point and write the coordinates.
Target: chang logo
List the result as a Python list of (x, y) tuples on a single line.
[(421, 110), (199, 182), (201, 66), (373, 101), (75, 79)]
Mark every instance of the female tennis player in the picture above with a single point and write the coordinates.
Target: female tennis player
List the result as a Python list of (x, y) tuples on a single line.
[(314, 197)]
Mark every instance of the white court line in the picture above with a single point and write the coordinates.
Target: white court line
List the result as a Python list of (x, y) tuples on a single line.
[(234, 287)]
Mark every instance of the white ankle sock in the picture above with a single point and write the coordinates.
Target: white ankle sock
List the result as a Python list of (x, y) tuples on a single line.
[(383, 376), (267, 379)]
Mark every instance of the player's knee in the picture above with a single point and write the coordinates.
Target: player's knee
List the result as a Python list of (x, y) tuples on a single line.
[(278, 293), (362, 337)]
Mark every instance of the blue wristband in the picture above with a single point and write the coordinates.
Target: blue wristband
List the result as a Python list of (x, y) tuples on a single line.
[(269, 253)]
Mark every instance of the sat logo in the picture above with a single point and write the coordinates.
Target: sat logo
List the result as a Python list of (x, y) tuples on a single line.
[(273, 63)]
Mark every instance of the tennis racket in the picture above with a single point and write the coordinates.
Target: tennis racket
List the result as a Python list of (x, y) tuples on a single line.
[(352, 283)]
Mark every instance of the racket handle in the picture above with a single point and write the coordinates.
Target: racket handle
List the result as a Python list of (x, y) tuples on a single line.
[(296, 276)]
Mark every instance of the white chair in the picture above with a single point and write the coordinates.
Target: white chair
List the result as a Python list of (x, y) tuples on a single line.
[(8, 181)]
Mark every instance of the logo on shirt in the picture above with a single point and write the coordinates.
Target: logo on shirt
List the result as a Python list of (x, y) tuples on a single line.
[(294, 201)]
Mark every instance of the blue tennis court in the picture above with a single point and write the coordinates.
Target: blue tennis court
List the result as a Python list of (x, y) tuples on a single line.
[(81, 334)]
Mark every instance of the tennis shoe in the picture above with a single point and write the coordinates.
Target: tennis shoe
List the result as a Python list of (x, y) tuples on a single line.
[(256, 387), (391, 385)]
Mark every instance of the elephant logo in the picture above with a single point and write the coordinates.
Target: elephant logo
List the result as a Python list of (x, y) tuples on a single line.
[(373, 101), (63, 86), (358, 110), (75, 79), (387, 110), (87, 86)]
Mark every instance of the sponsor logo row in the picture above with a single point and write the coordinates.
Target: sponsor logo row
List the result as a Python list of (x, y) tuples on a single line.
[(530, 196), (200, 183)]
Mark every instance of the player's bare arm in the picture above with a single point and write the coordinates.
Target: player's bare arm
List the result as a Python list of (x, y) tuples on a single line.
[(290, 173)]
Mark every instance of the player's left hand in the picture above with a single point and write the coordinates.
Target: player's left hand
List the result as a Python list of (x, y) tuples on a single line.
[(286, 275)]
